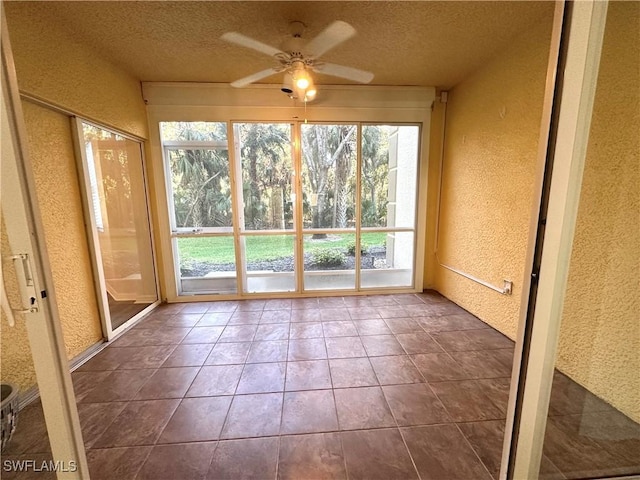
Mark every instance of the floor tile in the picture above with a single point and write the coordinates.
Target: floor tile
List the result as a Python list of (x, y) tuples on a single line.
[(394, 311), (308, 375), (272, 331), (485, 363), (304, 303), (223, 306), (306, 315), (215, 319), (275, 316), (372, 327), (253, 416), (203, 335), (407, 299), (144, 357), (254, 458), (107, 359), (488, 339), (184, 461), (360, 408), (418, 343), (567, 397), (356, 301), (377, 455), (334, 314), (270, 351), (120, 385), (140, 423), (95, 418), (331, 302), (309, 412), (467, 401), (188, 355), (196, 420), (345, 347), (238, 333), (363, 313), (306, 330), (278, 304), (380, 345), (381, 300), (403, 325), (215, 380), (195, 307), (415, 404), (228, 354), (246, 318), (342, 328), (110, 463), (12, 473), (486, 439), (449, 323), (444, 308), (427, 445), (84, 382), (30, 435), (168, 383), (439, 367), (307, 349), (352, 372), (262, 378), (250, 305), (316, 456), (579, 456), (140, 337), (394, 370)]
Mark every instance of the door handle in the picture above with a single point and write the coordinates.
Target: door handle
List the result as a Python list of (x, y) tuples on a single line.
[(25, 283)]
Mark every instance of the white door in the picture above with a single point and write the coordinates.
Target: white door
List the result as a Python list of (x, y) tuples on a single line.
[(29, 312)]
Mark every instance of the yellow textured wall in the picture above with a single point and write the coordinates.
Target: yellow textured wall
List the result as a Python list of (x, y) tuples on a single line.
[(54, 64), (57, 67), (492, 131), (58, 192), (16, 365), (600, 332)]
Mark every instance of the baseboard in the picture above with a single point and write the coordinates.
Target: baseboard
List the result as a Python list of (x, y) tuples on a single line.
[(33, 394)]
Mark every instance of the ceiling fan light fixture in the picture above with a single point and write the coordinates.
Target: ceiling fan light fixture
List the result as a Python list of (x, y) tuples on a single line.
[(287, 84), (302, 79)]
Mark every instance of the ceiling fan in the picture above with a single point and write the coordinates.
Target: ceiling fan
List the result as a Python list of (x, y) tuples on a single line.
[(297, 58)]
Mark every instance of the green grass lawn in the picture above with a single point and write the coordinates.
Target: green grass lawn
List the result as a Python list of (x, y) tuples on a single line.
[(266, 247)]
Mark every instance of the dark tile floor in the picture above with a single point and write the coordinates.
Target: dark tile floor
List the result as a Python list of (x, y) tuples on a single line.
[(396, 386)]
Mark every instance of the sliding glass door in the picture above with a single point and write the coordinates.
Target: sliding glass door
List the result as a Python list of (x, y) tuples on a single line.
[(260, 207), (116, 207)]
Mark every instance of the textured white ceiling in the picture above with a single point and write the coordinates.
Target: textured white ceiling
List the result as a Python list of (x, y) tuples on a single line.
[(426, 43)]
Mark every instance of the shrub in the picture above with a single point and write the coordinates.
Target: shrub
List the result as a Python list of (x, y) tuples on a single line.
[(351, 249), (328, 258)]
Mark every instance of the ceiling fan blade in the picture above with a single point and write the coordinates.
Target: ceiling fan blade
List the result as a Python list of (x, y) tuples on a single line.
[(244, 41), (243, 82), (333, 35), (355, 74)]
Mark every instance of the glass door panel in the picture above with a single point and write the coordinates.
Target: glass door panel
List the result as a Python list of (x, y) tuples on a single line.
[(200, 202), (386, 259), (264, 159), (329, 155), (266, 170), (388, 189), (206, 264), (389, 175), (329, 261), (117, 199), (269, 263)]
